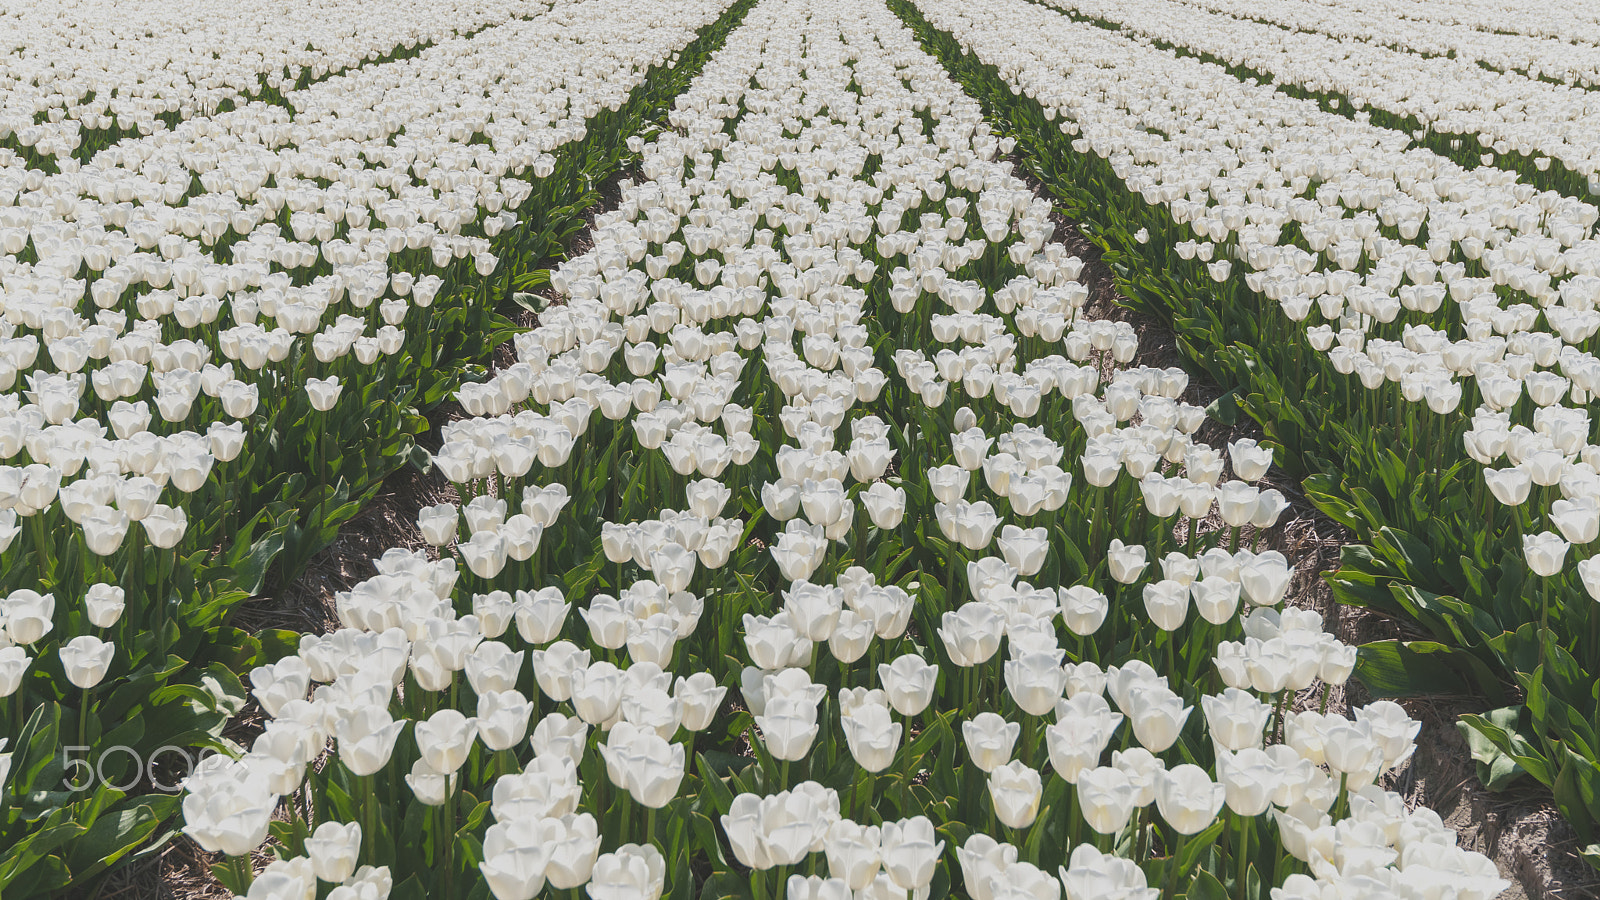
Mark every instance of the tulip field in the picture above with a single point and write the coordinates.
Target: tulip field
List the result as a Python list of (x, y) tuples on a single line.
[(807, 531)]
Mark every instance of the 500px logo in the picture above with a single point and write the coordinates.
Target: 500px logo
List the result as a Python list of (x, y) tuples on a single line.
[(81, 774)]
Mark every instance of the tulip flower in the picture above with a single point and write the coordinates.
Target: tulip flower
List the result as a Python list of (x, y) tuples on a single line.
[(225, 809), (630, 871), (1167, 603), (573, 857), (1546, 553), (1084, 609), (541, 614), (1106, 797), (983, 862), (910, 852), (1249, 778), (851, 637), (909, 682), (86, 659), (1157, 715), (104, 603), (515, 856), (333, 849), (971, 634), (990, 739), (438, 523), (1036, 681), (781, 829), (1188, 798), (502, 718), (554, 665), (1015, 790), (853, 853), (1024, 549), (644, 764), (366, 739), (700, 697), (1236, 719), (28, 615), (323, 392), (14, 662), (886, 504), (788, 725)]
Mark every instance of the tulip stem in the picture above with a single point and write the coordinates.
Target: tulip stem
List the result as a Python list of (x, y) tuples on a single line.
[(625, 801), (1141, 835), (41, 540), (449, 836), (83, 718), (369, 824), (650, 825), (1244, 856), (242, 874), (1094, 522), (1544, 624), (1171, 888), (1074, 816)]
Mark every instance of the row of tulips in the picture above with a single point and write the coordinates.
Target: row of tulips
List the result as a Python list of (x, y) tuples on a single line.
[(137, 517), (136, 71), (877, 670), (1336, 358), (1448, 104), (1553, 44)]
